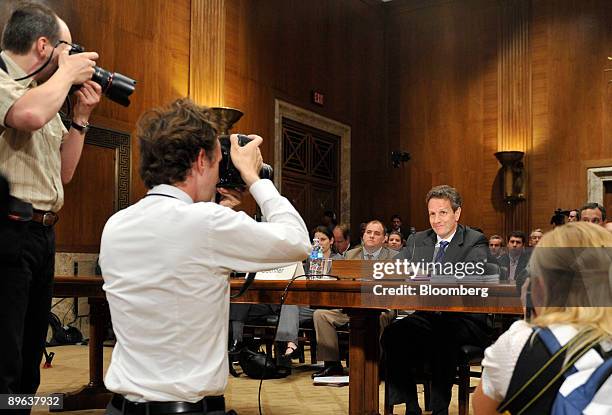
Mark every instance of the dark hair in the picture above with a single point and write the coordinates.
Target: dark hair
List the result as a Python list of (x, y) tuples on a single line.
[(593, 205), (445, 192), (396, 233), (28, 22), (171, 138), (396, 216), (324, 230), (346, 230), (518, 234)]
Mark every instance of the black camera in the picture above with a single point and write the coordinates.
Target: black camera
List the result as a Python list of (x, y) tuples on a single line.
[(229, 176), (115, 86)]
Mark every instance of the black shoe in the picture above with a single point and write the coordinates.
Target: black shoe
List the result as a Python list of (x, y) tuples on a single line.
[(235, 348), (335, 370)]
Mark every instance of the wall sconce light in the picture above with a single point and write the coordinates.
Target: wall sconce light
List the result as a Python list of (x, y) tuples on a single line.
[(225, 118), (514, 180)]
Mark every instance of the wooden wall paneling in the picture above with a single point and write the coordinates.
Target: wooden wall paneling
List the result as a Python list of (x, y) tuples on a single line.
[(514, 94), (285, 49), (147, 40), (444, 74), (207, 52), (101, 186), (83, 217), (571, 101)]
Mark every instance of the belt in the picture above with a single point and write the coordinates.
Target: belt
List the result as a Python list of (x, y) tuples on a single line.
[(206, 405), (45, 218)]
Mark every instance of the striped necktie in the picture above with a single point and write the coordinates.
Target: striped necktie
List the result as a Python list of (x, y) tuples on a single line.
[(441, 251)]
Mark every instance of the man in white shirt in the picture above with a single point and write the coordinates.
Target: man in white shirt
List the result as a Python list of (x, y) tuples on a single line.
[(166, 262)]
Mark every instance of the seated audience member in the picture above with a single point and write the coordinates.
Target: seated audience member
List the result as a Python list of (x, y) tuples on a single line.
[(534, 237), (428, 338), (342, 239), (594, 213), (326, 241), (326, 321), (396, 225), (291, 316), (329, 220), (573, 215), (496, 246), (395, 241), (571, 293), (517, 257)]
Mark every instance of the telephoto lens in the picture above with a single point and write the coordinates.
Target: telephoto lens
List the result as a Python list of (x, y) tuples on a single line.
[(115, 86), (229, 176)]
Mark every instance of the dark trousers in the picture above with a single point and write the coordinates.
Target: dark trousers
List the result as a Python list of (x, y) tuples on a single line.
[(428, 342), (27, 261)]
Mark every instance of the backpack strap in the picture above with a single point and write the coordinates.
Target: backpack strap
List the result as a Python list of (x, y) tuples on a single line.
[(550, 373)]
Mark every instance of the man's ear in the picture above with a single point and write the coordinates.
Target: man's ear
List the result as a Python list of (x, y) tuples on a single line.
[(41, 45), (200, 163), (457, 214)]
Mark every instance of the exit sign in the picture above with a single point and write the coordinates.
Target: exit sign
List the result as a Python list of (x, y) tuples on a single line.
[(318, 98)]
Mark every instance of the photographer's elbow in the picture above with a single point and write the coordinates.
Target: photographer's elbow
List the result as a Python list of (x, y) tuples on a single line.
[(67, 176), (26, 120)]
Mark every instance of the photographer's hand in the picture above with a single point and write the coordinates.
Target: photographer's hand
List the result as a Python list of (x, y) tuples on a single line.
[(88, 96), (230, 197), (247, 159), (77, 68)]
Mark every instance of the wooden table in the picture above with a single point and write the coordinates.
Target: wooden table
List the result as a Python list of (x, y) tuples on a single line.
[(354, 296)]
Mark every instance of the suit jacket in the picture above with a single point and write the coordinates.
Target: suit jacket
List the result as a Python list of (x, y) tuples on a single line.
[(467, 245), (504, 261), (357, 253)]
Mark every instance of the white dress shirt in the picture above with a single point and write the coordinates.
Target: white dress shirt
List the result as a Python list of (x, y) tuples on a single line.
[(166, 263)]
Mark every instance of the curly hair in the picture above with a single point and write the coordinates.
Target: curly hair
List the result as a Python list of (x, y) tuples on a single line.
[(171, 138)]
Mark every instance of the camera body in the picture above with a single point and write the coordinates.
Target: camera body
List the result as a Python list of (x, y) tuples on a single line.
[(115, 86), (229, 176)]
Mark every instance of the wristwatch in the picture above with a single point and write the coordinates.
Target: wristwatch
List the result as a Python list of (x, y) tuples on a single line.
[(80, 128)]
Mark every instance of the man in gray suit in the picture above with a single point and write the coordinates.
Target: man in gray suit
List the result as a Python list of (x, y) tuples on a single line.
[(326, 321), (434, 338)]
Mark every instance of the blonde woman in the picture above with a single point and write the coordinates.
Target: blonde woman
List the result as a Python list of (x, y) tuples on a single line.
[(571, 291)]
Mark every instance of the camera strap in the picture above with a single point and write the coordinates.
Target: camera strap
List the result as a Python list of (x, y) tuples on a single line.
[(4, 68)]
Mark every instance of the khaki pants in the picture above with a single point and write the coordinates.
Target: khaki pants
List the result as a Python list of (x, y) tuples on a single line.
[(326, 322)]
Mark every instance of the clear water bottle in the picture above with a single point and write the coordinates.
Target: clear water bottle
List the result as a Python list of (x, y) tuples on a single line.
[(316, 259)]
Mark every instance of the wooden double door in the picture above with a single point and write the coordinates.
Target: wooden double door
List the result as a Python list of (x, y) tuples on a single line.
[(310, 170)]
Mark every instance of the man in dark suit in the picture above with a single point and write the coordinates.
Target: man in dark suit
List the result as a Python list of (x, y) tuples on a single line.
[(431, 340), (515, 261)]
